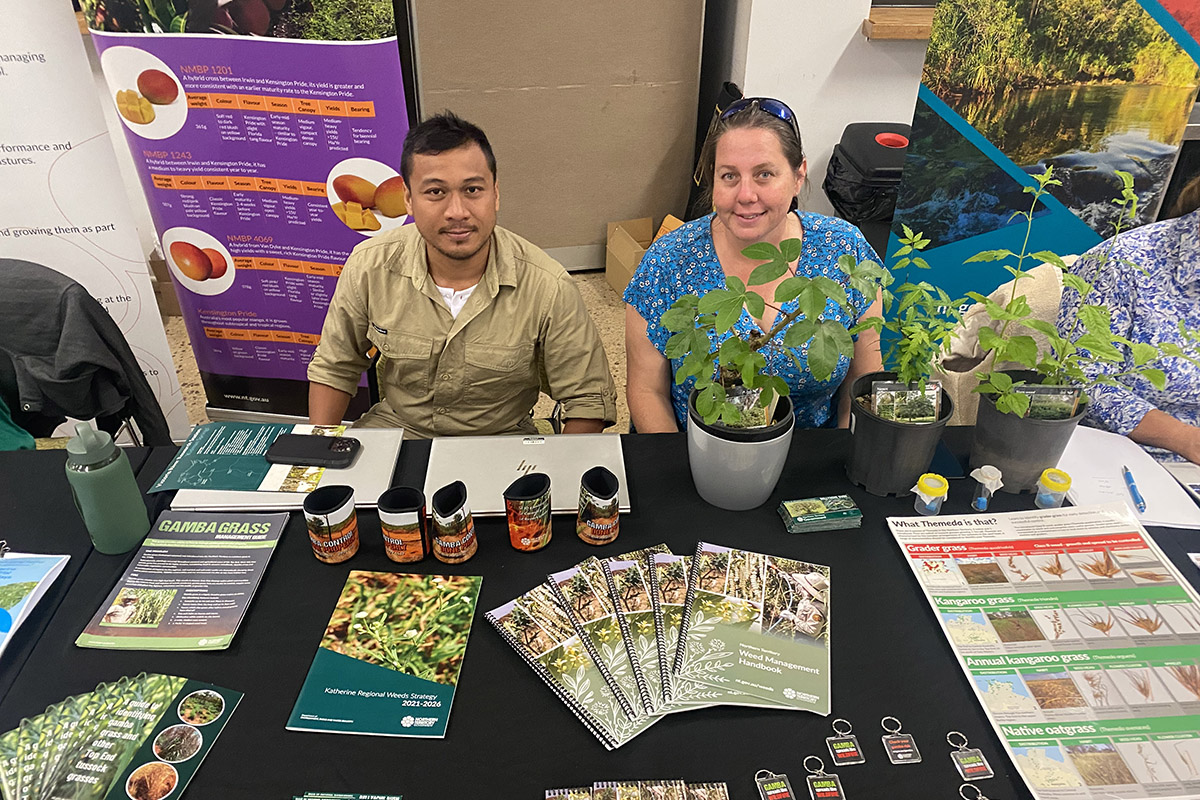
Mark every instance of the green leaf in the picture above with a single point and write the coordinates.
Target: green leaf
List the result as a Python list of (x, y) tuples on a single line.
[(709, 402), (790, 288), (1022, 349), (778, 384), (1157, 378), (762, 251), (791, 249), (829, 342), (831, 289), (990, 255), (179, 24), (799, 332), (988, 339), (713, 300), (1096, 319), (1050, 257), (1015, 403), (734, 284), (678, 319), (1143, 353), (765, 273), (732, 349), (1099, 346), (678, 345), (1000, 381), (903, 251), (729, 312), (755, 304), (812, 300)]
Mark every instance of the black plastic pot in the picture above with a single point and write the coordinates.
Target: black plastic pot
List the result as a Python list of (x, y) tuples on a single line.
[(887, 457), (1020, 447)]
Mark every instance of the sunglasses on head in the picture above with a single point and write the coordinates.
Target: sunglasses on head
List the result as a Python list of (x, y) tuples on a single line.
[(775, 108)]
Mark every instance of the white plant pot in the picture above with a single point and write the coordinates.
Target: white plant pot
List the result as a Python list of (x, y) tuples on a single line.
[(737, 469)]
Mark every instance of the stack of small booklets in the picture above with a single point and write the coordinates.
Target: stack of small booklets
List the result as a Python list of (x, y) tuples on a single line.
[(661, 633), (189, 585), (820, 514), (344, 796), (389, 668), (141, 738), (642, 790)]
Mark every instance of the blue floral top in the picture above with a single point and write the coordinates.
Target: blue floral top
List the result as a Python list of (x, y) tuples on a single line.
[(1146, 308), (685, 262)]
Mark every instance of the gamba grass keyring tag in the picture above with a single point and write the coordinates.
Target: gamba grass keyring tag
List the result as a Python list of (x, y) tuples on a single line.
[(969, 761), (773, 787), (822, 785), (843, 746), (901, 748)]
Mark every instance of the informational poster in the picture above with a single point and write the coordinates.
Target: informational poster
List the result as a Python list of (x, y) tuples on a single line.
[(62, 204), (267, 135), (1012, 87), (1080, 639)]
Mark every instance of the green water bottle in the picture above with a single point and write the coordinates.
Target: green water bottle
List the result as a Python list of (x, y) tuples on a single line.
[(105, 491)]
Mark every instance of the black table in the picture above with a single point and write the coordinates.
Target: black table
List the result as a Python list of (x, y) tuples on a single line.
[(40, 517), (508, 734)]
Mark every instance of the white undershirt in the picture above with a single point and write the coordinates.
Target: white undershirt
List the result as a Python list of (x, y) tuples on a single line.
[(456, 300)]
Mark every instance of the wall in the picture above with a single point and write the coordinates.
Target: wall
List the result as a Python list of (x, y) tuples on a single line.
[(591, 108), (813, 56)]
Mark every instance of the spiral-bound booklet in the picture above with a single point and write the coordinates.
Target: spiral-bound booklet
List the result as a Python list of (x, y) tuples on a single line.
[(757, 625)]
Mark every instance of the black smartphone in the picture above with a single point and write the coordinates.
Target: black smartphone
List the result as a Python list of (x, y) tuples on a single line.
[(307, 450)]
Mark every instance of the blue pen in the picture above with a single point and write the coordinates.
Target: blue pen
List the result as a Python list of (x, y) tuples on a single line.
[(1133, 490)]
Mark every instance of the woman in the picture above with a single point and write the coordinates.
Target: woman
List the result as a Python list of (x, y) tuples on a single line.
[(1149, 278), (753, 164)]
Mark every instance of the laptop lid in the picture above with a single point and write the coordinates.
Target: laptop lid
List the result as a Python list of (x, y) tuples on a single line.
[(488, 464)]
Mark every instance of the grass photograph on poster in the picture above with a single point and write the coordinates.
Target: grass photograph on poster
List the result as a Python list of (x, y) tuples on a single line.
[(1088, 87)]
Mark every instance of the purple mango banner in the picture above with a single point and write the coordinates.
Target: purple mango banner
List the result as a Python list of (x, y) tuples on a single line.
[(264, 162)]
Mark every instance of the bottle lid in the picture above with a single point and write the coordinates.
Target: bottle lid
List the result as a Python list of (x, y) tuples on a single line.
[(1055, 480), (932, 485), (89, 446)]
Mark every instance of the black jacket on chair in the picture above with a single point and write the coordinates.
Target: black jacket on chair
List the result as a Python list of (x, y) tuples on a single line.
[(61, 355)]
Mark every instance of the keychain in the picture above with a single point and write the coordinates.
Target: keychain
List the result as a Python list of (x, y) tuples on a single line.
[(844, 746), (901, 748), (979, 795), (821, 784), (969, 761), (772, 786)]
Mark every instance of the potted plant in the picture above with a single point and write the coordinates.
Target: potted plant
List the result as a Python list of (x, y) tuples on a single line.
[(1027, 416), (897, 417), (740, 418)]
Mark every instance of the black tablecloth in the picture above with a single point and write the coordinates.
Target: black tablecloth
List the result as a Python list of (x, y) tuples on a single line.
[(40, 517), (508, 735)]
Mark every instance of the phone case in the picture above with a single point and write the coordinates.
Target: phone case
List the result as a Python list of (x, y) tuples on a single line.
[(306, 450)]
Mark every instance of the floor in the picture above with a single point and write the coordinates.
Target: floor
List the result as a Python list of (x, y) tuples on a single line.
[(602, 302)]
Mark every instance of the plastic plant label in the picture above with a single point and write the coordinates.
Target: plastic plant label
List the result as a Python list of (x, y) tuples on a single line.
[(971, 764), (845, 750), (901, 748), (825, 787)]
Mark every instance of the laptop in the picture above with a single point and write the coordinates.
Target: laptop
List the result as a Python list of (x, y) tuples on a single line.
[(488, 464), (370, 475)]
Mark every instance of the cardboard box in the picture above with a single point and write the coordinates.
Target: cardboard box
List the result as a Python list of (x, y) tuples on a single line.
[(164, 290), (627, 243)]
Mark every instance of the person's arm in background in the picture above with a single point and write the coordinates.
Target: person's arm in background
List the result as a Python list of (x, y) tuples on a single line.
[(647, 379), (577, 371), (1120, 409), (340, 358), (867, 359)]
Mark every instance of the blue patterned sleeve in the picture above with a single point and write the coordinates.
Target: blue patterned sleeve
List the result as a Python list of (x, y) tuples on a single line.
[(1113, 408), (650, 290), (863, 252)]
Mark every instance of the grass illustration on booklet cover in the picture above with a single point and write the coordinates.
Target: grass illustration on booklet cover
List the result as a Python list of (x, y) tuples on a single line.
[(390, 656)]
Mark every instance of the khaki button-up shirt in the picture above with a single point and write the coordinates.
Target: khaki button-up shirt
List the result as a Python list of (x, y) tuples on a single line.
[(524, 328)]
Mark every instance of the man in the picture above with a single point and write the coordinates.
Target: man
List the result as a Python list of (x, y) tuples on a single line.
[(470, 320)]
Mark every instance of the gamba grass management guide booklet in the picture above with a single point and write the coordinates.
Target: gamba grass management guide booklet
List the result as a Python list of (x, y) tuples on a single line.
[(189, 585), (390, 657), (140, 738)]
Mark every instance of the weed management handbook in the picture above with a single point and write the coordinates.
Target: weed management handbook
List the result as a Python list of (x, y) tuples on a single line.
[(1079, 638)]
